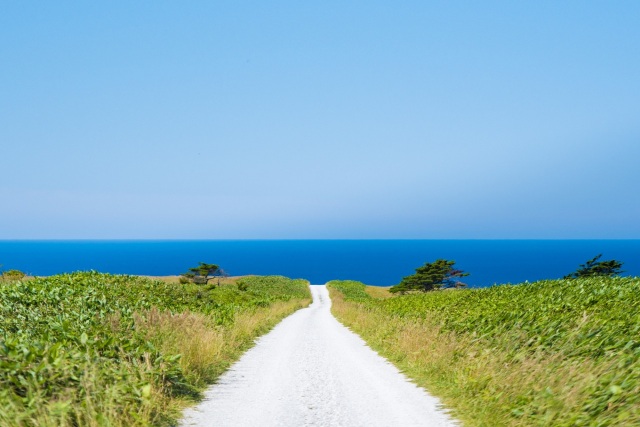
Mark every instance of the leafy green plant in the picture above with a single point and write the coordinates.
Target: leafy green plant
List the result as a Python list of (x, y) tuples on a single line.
[(557, 352), (65, 338), (10, 275)]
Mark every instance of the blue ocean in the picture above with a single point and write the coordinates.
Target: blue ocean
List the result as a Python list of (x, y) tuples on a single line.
[(375, 262)]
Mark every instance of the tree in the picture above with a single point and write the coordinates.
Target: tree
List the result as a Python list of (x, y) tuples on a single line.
[(593, 268), (203, 273), (431, 276)]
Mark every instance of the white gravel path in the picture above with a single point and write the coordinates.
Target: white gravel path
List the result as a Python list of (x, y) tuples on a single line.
[(310, 370)]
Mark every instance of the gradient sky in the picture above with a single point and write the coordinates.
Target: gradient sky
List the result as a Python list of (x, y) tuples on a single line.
[(332, 119)]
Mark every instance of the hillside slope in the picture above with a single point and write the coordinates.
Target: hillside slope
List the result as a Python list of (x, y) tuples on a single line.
[(560, 353), (91, 349)]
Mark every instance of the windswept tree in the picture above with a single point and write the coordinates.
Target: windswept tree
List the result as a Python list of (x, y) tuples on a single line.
[(203, 273), (594, 267), (439, 274)]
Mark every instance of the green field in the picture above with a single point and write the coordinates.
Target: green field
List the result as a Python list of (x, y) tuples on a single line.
[(91, 349), (552, 353)]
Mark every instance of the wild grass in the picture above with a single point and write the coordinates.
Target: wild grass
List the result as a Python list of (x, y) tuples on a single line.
[(90, 349), (555, 353), (378, 292), (208, 350)]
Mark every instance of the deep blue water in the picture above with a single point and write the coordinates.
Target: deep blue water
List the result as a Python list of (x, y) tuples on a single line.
[(375, 262)]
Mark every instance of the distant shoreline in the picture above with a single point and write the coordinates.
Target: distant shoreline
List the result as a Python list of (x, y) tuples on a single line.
[(374, 262)]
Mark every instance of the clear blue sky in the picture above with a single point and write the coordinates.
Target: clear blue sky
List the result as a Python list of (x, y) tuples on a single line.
[(333, 119)]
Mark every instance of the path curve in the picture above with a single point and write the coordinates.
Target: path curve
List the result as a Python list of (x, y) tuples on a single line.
[(310, 370)]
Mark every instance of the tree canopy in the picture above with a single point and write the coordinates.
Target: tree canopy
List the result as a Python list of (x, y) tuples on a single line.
[(431, 276), (203, 273), (594, 267)]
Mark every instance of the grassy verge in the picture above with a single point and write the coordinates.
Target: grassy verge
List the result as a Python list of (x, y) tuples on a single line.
[(553, 353), (90, 349)]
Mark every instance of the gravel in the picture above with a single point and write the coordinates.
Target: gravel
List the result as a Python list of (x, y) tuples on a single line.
[(310, 370)]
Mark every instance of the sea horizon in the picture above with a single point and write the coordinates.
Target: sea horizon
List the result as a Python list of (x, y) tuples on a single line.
[(380, 262)]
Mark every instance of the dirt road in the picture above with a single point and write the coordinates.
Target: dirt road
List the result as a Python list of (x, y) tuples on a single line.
[(312, 371)]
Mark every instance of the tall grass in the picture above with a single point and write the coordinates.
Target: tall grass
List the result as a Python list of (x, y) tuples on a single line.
[(90, 349), (553, 353)]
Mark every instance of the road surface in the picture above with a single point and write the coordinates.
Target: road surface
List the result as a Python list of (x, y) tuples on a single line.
[(310, 370)]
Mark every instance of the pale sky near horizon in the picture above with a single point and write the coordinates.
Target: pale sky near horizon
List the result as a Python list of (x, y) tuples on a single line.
[(285, 119)]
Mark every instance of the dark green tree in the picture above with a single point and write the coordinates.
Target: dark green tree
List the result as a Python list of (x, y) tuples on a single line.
[(431, 276), (594, 267), (203, 273)]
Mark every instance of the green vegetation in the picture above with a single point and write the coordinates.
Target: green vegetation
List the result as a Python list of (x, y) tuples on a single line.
[(594, 267), (203, 273), (439, 274), (561, 353), (91, 349), (12, 275)]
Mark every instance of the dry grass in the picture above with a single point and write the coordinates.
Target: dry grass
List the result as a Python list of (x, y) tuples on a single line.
[(99, 404), (208, 350), (176, 279), (478, 382), (90, 349), (378, 292)]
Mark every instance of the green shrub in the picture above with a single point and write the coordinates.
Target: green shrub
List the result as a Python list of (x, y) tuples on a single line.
[(72, 350), (12, 275), (563, 352)]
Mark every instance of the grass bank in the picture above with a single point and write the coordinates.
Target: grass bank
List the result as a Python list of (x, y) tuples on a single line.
[(91, 349), (551, 353)]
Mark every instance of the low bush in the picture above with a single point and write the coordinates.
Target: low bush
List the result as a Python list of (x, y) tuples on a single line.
[(561, 353), (13, 275), (91, 349)]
